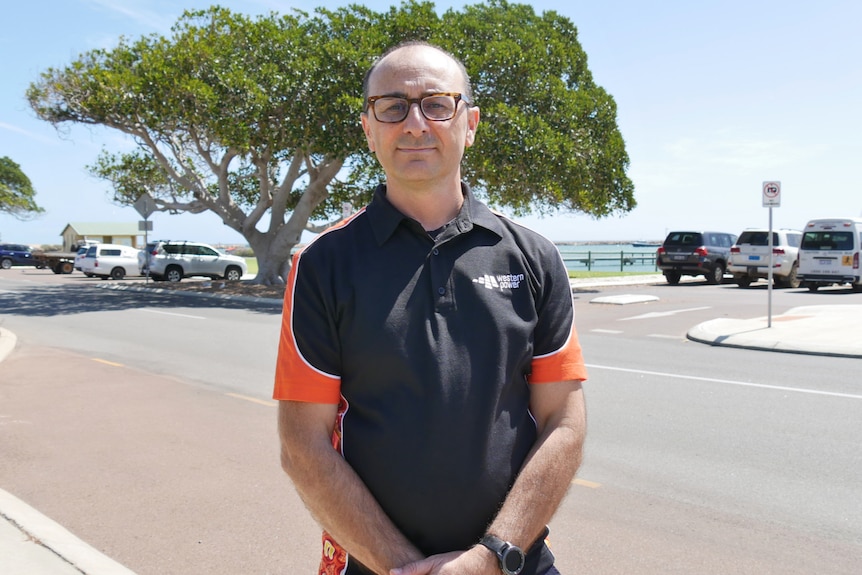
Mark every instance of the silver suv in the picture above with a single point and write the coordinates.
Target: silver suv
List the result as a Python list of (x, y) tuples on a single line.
[(749, 257), (173, 260)]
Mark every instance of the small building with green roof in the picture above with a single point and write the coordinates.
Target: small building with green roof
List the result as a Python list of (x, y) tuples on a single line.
[(126, 234)]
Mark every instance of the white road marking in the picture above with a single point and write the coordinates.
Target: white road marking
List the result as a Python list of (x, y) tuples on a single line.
[(726, 381), (173, 314), (665, 336), (663, 313), (610, 331)]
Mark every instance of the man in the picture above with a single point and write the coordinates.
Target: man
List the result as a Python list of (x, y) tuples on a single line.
[(432, 343)]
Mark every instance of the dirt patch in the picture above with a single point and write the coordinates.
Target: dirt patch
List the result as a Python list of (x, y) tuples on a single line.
[(222, 287)]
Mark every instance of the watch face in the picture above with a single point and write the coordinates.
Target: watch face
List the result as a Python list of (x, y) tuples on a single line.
[(513, 560)]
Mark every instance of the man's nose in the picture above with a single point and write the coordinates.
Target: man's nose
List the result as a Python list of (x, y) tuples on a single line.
[(415, 119)]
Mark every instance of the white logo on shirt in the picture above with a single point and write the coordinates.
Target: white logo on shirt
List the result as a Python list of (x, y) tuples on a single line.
[(502, 281)]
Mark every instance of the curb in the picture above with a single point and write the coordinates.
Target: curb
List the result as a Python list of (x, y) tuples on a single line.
[(8, 341), (836, 325), (52, 536)]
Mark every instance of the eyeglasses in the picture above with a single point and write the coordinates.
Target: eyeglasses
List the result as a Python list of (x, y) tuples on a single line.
[(435, 107)]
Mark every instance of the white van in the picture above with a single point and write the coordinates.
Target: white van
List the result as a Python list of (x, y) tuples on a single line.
[(109, 261), (829, 253)]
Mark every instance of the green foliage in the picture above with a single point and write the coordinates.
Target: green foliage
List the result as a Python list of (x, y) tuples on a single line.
[(548, 139), (17, 196), (251, 116), (131, 175)]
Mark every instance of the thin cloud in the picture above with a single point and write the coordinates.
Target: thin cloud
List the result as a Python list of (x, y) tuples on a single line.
[(142, 13), (27, 133)]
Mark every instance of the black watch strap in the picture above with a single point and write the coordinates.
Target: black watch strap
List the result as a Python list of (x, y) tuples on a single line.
[(511, 557)]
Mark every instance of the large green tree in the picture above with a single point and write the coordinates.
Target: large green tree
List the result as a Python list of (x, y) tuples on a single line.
[(257, 119), (17, 196)]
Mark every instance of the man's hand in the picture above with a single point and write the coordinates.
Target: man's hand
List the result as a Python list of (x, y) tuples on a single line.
[(475, 561)]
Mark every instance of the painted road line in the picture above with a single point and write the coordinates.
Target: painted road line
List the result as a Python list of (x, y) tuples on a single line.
[(726, 381), (268, 403), (610, 331), (655, 314), (585, 483), (173, 314), (106, 362)]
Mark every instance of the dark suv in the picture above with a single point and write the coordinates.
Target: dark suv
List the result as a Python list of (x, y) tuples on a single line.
[(695, 254), (15, 255)]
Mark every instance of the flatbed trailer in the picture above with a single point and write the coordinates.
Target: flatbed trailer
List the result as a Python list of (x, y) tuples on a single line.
[(57, 262)]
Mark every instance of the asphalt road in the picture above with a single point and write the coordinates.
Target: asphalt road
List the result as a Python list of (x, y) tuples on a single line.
[(143, 424)]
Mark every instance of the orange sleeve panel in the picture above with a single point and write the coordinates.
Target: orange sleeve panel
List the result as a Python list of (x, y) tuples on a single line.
[(567, 363), (295, 378)]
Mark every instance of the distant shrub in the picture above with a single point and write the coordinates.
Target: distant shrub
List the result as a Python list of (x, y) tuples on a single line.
[(51, 248), (246, 252)]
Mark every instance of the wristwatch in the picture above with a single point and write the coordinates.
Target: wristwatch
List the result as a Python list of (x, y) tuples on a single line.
[(511, 557)]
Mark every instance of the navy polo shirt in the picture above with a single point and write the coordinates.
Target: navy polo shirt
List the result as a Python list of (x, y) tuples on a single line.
[(428, 346)]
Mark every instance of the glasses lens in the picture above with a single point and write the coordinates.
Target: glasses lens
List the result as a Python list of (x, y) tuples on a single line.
[(390, 109), (438, 107)]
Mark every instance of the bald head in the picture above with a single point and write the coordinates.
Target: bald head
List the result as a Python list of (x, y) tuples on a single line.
[(404, 55)]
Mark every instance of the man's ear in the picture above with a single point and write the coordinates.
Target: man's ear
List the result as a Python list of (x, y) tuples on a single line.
[(472, 124), (367, 129)]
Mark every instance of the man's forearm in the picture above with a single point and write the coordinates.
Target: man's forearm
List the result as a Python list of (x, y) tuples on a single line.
[(338, 499), (540, 487), (545, 477)]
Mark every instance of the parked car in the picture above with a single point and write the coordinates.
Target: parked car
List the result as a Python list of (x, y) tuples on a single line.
[(79, 258), (174, 260), (749, 257), (830, 252), (15, 255), (109, 261), (691, 253)]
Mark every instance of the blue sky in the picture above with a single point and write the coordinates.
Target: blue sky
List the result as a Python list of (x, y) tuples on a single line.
[(714, 97)]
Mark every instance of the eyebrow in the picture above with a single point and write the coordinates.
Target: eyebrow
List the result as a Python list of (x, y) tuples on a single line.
[(422, 95)]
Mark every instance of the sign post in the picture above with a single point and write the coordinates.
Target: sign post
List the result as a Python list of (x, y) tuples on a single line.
[(146, 205), (771, 199)]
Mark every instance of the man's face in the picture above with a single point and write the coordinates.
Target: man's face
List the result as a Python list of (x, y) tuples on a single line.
[(417, 150)]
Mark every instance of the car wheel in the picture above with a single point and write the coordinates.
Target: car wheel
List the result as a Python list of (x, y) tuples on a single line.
[(5, 263), (716, 275), (743, 281), (812, 287), (67, 267), (791, 281), (672, 277), (233, 274), (857, 287), (174, 274), (118, 273)]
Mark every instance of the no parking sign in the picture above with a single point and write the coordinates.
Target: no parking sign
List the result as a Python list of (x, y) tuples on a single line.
[(771, 194)]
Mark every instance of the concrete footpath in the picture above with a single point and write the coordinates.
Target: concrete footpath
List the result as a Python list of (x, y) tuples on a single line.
[(32, 544), (832, 330)]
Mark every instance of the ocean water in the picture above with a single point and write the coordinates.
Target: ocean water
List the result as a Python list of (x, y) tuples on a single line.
[(608, 257)]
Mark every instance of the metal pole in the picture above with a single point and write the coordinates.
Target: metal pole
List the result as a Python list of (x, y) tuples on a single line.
[(146, 254), (769, 273)]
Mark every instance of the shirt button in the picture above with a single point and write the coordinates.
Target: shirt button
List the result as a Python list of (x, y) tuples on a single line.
[(441, 291)]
